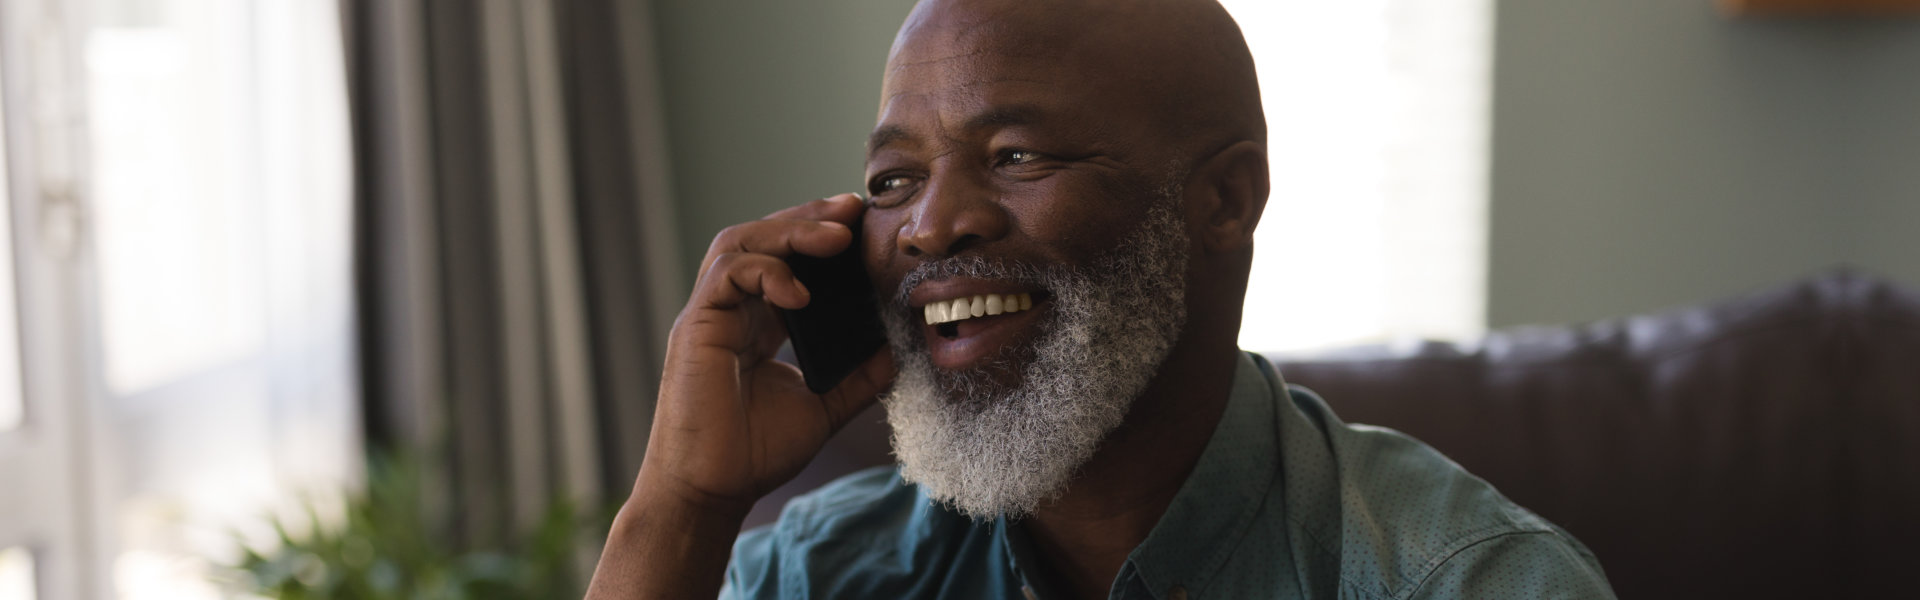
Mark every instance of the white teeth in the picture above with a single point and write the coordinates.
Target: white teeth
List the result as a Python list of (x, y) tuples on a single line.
[(960, 309), (936, 313)]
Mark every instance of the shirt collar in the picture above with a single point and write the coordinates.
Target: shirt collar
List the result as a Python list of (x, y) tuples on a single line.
[(1216, 505), (1220, 499)]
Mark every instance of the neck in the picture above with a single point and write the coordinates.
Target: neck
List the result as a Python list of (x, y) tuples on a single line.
[(1084, 537)]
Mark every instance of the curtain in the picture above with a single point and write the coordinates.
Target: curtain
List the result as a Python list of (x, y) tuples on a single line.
[(514, 252)]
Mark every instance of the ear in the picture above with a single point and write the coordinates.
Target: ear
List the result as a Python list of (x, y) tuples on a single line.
[(1226, 194)]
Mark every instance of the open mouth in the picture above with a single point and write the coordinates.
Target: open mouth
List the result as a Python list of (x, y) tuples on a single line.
[(966, 329), (945, 316)]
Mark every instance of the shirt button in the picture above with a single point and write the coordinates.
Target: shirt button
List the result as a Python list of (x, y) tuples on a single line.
[(1177, 593)]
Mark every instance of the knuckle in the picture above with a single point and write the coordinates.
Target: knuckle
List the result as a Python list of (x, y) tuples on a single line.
[(720, 270), (727, 262), (743, 266), (717, 267), (725, 239)]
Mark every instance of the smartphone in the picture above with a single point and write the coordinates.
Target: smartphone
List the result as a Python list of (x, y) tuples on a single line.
[(840, 327)]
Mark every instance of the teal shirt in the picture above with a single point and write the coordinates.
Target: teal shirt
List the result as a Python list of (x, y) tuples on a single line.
[(1285, 502)]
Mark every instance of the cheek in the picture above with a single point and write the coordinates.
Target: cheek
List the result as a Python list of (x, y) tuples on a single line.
[(878, 231), (1075, 219)]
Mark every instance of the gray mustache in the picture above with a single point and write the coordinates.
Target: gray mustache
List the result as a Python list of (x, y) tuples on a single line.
[(976, 267)]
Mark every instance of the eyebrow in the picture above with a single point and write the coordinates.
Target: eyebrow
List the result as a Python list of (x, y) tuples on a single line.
[(995, 118), (885, 134), (1002, 117)]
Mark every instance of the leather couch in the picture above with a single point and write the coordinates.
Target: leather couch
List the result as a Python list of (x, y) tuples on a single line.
[(1767, 446)]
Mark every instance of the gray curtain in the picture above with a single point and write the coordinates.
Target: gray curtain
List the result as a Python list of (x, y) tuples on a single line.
[(515, 258)]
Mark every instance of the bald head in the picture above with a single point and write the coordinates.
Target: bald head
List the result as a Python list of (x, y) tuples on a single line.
[(1179, 68)]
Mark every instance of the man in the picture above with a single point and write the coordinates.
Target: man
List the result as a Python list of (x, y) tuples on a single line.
[(1092, 171)]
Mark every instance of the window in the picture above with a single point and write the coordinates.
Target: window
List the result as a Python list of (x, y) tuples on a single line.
[(16, 575), (188, 343), (1377, 126), (220, 201)]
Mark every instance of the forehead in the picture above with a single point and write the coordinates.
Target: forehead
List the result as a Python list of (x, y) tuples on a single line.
[(945, 78), (955, 87), (956, 110)]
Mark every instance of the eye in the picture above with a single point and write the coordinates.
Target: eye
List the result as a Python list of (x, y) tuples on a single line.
[(1018, 157), (882, 191)]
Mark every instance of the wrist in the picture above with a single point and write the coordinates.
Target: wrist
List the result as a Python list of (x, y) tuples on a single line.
[(666, 543), (659, 494)]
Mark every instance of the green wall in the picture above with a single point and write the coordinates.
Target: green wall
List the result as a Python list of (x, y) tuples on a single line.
[(768, 104), (1884, 60), (1649, 153)]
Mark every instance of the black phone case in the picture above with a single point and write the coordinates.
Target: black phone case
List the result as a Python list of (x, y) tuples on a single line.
[(840, 327)]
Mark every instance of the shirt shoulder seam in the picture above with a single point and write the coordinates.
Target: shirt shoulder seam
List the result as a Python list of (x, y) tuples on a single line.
[(1467, 542), (803, 517)]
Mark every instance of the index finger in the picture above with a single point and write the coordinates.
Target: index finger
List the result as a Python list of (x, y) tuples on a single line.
[(779, 238), (841, 208), (797, 229)]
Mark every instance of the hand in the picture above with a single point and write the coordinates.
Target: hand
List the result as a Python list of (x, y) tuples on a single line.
[(732, 424)]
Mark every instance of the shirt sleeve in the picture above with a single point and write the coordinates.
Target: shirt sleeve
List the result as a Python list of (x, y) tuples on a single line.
[(1537, 564), (751, 572)]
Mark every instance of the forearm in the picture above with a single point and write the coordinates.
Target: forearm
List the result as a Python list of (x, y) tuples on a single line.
[(663, 545)]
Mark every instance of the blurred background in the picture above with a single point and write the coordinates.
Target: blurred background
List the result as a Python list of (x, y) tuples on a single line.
[(366, 298)]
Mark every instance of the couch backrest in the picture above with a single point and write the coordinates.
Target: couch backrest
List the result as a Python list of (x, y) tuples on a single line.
[(1764, 447)]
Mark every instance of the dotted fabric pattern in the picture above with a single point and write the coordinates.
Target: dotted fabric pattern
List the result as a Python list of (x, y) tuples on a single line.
[(1286, 502)]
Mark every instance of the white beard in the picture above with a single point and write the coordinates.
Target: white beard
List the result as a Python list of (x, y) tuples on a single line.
[(986, 449)]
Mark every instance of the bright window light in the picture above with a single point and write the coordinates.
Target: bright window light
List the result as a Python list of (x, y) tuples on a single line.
[(16, 575), (220, 196), (180, 272), (1377, 133)]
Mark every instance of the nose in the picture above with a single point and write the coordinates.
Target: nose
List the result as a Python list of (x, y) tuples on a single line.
[(954, 212)]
